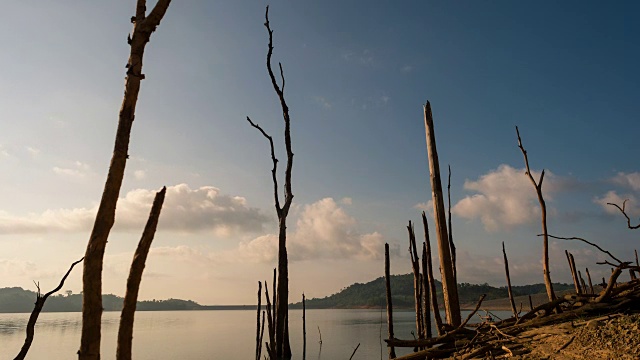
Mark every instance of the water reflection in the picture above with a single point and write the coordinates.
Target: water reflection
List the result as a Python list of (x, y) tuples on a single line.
[(194, 335)]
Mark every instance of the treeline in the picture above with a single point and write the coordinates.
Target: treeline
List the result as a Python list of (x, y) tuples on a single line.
[(372, 294), (18, 300)]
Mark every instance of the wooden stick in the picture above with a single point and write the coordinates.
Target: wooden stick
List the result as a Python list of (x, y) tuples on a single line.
[(40, 300), (354, 351), (258, 340), (573, 274), (590, 283), (506, 270), (582, 283), (449, 286), (387, 277), (432, 281), (304, 329), (125, 330), (543, 208), (415, 264), (426, 294)]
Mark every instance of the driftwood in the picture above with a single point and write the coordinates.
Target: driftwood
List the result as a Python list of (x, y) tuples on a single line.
[(622, 210), (39, 304), (415, 264), (505, 338), (125, 331), (143, 26)]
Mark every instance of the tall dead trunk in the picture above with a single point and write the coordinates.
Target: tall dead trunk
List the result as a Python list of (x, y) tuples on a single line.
[(426, 293), (506, 270), (281, 297), (125, 332), (543, 209), (415, 264), (450, 226), (40, 300), (430, 278), (449, 286), (143, 27), (387, 281)]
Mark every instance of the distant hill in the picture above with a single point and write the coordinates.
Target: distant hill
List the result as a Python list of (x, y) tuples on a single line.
[(18, 300), (372, 294)]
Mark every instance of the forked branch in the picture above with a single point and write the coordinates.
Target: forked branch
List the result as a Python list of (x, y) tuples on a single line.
[(622, 210), (40, 299), (275, 165)]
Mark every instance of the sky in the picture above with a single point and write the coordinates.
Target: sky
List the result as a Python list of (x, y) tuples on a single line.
[(357, 77)]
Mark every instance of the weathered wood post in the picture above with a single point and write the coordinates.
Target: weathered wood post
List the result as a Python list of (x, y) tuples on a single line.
[(387, 278), (125, 330), (449, 286), (506, 270), (415, 264), (426, 311), (574, 276), (430, 278)]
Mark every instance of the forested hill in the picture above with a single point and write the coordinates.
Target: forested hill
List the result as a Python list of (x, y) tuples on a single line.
[(372, 294), (18, 300)]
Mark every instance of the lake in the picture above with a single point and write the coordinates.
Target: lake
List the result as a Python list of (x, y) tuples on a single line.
[(213, 334)]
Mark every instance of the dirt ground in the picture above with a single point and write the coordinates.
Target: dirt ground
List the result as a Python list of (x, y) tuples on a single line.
[(610, 337)]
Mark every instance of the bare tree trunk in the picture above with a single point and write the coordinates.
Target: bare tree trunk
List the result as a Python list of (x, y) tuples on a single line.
[(449, 223), (426, 294), (430, 278), (543, 208), (40, 300), (506, 270), (271, 348), (281, 297), (304, 329), (415, 264), (387, 278), (258, 339), (92, 271), (590, 283), (449, 286), (573, 272), (125, 332)]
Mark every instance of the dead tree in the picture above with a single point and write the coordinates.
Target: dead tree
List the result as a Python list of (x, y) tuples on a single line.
[(450, 226), (572, 267), (258, 337), (506, 270), (426, 295), (283, 348), (430, 278), (449, 286), (40, 300), (387, 281), (415, 264), (125, 331), (143, 27), (543, 208)]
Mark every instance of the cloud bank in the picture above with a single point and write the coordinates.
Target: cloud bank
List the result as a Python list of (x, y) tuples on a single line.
[(185, 210)]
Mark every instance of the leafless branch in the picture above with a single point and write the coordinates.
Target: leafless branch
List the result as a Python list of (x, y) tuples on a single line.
[(622, 210), (39, 304), (586, 241), (274, 176)]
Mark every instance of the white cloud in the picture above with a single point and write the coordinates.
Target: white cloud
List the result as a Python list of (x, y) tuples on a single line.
[(629, 181), (3, 152), (612, 197), (184, 209), (33, 151), (323, 230), (79, 170), (505, 197), (139, 174), (346, 201), (425, 206), (406, 69)]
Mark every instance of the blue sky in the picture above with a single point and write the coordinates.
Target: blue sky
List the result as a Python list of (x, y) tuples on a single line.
[(357, 76)]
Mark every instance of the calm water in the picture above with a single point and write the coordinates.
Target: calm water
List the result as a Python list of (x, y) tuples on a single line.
[(222, 334)]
